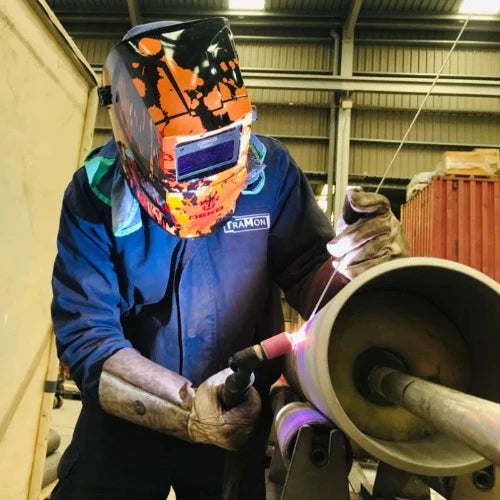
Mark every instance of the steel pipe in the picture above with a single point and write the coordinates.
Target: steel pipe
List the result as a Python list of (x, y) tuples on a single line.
[(472, 420)]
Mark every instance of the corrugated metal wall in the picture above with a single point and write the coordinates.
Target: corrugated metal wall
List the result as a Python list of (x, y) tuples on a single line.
[(374, 57), (449, 122), (300, 118), (286, 56), (435, 103), (96, 49), (375, 135), (372, 159), (470, 61), (304, 131), (437, 127)]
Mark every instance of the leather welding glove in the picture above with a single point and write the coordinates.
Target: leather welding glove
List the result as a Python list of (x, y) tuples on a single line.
[(367, 234), (140, 391)]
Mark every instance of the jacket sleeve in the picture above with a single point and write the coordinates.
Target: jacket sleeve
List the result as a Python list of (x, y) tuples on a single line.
[(298, 238), (86, 298)]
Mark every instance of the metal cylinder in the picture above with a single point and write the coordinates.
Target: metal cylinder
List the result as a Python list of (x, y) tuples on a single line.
[(290, 419), (441, 319), (471, 420)]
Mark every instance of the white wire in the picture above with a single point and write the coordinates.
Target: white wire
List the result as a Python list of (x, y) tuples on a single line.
[(445, 62), (422, 104), (335, 271)]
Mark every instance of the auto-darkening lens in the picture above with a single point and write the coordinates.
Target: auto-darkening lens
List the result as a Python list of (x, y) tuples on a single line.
[(207, 156)]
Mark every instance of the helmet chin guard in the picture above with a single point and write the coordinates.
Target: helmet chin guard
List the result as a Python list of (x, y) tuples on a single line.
[(181, 120)]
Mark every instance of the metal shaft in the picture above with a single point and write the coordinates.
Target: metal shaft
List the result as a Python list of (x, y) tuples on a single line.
[(472, 420)]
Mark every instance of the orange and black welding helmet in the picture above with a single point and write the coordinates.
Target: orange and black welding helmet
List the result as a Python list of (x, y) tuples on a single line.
[(181, 120)]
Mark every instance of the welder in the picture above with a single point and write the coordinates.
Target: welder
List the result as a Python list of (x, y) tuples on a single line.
[(175, 239)]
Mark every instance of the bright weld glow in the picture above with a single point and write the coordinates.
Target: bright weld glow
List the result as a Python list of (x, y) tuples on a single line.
[(480, 7), (247, 4), (297, 337)]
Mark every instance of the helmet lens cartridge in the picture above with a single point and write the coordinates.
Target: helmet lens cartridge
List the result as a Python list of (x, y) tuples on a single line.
[(207, 156)]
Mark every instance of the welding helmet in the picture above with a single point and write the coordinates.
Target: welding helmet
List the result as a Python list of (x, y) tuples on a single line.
[(181, 120)]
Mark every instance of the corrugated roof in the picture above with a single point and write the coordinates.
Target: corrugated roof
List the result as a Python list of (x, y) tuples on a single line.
[(434, 6), (152, 5), (77, 6), (332, 6)]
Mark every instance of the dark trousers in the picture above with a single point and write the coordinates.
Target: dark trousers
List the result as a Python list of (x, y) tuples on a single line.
[(111, 459)]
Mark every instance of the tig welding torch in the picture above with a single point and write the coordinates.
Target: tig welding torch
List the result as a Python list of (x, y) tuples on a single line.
[(244, 362)]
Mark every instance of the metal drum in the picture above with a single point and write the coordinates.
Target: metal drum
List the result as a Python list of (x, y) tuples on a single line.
[(430, 318)]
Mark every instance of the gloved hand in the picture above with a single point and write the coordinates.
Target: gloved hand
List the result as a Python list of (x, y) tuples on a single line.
[(367, 234), (210, 423), (136, 389)]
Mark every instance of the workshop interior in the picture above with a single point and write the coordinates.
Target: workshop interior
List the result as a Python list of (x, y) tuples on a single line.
[(390, 390)]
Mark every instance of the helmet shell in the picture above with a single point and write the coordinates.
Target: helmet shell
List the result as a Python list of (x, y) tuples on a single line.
[(173, 85)]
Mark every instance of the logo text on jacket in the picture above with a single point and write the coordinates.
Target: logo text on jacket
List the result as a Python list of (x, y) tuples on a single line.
[(242, 223)]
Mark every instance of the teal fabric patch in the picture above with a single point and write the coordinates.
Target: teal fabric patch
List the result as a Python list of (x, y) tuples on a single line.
[(125, 210), (256, 186), (256, 175), (257, 148), (96, 168)]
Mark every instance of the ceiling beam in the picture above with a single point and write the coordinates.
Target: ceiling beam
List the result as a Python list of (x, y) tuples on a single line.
[(380, 85), (383, 85), (391, 21), (338, 15), (352, 17), (134, 12)]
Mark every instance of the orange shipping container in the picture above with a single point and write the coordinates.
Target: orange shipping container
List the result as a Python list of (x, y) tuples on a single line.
[(457, 219)]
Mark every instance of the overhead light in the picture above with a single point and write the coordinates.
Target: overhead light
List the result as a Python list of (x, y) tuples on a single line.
[(480, 7), (247, 4)]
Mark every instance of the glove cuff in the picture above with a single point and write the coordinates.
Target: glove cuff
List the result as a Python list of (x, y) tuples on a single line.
[(140, 391), (131, 403)]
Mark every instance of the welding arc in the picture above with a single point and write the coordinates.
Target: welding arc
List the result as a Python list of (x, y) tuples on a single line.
[(417, 114)]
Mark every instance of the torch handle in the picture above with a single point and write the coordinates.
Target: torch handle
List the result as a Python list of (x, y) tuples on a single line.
[(236, 388), (244, 362)]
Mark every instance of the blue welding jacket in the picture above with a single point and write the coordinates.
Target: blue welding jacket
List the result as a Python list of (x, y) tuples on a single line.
[(120, 280)]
